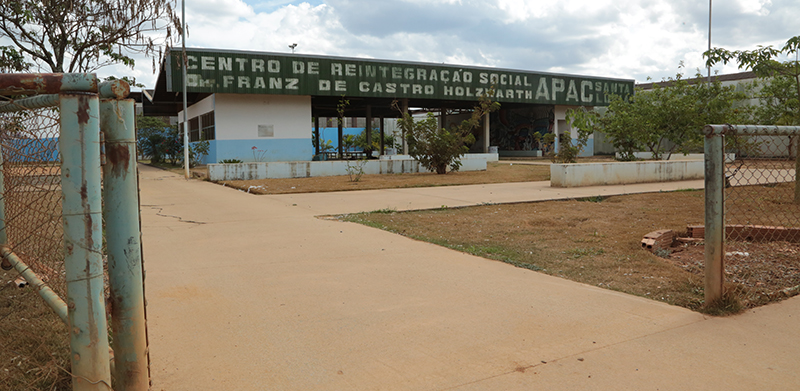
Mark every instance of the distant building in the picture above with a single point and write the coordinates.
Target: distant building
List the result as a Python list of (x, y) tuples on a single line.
[(242, 101)]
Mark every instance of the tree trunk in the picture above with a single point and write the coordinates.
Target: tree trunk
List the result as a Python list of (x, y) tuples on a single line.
[(441, 169)]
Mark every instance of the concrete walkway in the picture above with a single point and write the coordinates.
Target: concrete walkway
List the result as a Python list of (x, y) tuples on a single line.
[(255, 293)]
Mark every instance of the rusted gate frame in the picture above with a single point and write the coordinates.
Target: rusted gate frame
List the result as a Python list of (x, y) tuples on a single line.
[(82, 115)]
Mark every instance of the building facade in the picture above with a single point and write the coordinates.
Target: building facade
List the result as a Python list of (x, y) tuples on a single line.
[(256, 106)]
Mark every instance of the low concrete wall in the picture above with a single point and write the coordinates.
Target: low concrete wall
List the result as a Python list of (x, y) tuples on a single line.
[(489, 157), (252, 171), (536, 153), (618, 173), (729, 157)]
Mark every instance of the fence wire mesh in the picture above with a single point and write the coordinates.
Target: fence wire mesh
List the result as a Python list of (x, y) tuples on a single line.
[(762, 201), (32, 191)]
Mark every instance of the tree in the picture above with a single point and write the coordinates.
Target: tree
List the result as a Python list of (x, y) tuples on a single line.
[(567, 151), (780, 96), (437, 148), (666, 119), (153, 136), (326, 145), (83, 35), (348, 142), (11, 60), (161, 142), (375, 137)]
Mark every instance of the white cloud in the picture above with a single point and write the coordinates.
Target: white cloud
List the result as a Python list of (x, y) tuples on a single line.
[(756, 7), (620, 38)]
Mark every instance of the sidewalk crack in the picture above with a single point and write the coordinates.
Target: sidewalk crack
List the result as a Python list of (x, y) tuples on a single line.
[(160, 210)]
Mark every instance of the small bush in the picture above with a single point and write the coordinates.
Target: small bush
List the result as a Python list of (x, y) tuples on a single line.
[(356, 170)]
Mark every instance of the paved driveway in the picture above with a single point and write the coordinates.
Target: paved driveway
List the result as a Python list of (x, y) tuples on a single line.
[(252, 292)]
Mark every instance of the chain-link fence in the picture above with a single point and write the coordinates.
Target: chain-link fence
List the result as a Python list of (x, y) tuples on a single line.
[(751, 196), (54, 196), (31, 179), (762, 197)]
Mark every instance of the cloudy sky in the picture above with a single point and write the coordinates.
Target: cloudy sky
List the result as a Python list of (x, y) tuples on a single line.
[(633, 39)]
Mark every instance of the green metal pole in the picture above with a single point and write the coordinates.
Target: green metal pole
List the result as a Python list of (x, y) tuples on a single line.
[(33, 102), (80, 183), (714, 208), (121, 211), (50, 297)]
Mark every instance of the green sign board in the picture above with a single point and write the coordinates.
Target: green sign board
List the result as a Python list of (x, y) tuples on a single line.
[(211, 71)]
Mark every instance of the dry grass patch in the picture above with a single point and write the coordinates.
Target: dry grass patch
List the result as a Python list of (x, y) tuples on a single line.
[(495, 173), (594, 241), (35, 353)]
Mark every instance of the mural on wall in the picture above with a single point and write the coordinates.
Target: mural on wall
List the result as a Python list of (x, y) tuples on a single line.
[(514, 129)]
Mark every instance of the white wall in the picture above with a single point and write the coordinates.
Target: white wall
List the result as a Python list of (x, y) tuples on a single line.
[(560, 125), (252, 171), (620, 173), (238, 116), (199, 108)]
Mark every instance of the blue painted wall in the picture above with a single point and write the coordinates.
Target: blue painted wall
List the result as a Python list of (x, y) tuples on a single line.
[(266, 150), (332, 134), (587, 151), (276, 149), (31, 150)]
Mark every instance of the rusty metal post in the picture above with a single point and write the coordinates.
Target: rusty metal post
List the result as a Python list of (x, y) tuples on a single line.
[(3, 232), (125, 272), (714, 148), (83, 238)]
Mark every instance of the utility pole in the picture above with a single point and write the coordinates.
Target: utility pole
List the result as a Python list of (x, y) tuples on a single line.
[(709, 39), (185, 110)]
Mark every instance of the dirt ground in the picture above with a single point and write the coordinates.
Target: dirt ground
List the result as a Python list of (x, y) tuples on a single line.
[(495, 173), (761, 272), (597, 241)]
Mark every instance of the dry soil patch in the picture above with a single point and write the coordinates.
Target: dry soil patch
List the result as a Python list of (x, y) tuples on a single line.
[(496, 172)]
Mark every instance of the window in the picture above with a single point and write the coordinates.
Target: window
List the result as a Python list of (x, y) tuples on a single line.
[(207, 122), (194, 129)]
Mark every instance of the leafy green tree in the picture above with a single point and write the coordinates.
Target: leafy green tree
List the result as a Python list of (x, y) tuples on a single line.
[(151, 135), (84, 35), (161, 142), (666, 119), (780, 94), (11, 60), (197, 150), (437, 148), (326, 145), (348, 142)]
